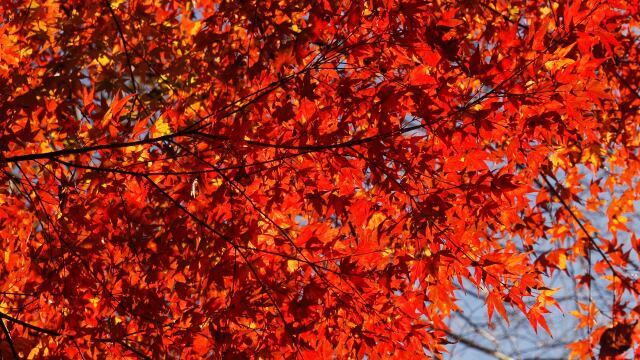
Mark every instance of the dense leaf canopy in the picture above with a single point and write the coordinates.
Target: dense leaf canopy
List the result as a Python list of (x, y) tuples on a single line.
[(307, 179)]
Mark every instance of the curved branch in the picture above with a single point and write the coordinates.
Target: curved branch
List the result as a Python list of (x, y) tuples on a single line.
[(30, 326)]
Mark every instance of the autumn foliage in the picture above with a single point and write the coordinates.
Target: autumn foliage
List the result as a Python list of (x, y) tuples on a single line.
[(307, 179)]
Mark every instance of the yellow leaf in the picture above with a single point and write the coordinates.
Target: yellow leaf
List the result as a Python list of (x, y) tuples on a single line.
[(94, 301), (103, 60), (620, 219), (161, 127), (292, 265), (375, 220), (41, 25), (195, 29), (116, 3), (562, 261), (216, 182), (556, 64), (35, 352)]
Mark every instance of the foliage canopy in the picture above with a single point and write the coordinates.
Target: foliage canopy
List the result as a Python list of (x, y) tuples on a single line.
[(310, 178)]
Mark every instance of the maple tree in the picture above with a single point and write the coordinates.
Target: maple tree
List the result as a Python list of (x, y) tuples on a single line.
[(202, 179)]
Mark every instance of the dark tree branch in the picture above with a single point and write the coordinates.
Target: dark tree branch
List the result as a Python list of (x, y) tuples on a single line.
[(7, 334), (30, 326)]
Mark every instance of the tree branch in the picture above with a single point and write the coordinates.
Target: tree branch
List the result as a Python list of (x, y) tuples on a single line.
[(7, 334), (474, 345), (30, 326)]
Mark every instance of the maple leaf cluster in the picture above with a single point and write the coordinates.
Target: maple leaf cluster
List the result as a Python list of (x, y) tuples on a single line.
[(307, 179)]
